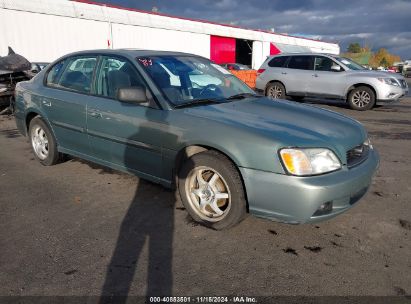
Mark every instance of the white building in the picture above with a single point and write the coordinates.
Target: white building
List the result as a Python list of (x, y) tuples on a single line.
[(43, 30)]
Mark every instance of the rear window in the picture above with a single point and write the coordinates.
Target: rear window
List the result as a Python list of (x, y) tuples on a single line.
[(55, 73), (278, 62)]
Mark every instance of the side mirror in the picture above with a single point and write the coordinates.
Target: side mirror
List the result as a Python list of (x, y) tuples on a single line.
[(336, 68), (132, 95)]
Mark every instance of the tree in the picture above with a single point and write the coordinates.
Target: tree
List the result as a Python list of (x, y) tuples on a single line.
[(354, 47), (384, 62), (383, 58)]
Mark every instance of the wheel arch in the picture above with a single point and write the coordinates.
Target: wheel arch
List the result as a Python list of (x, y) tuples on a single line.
[(360, 84), (29, 117), (31, 114), (272, 81), (192, 149)]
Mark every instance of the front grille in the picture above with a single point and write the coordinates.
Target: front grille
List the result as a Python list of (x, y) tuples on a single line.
[(357, 155)]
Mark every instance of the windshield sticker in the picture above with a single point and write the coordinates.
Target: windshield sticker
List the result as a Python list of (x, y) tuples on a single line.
[(146, 61), (221, 69)]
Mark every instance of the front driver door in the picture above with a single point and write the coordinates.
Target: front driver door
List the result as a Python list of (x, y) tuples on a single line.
[(124, 135), (326, 81)]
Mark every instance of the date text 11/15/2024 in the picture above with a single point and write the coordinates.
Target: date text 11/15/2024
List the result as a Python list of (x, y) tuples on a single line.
[(203, 299)]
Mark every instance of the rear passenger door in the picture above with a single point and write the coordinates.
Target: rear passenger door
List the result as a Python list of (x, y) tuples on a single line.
[(276, 70), (64, 98), (299, 74)]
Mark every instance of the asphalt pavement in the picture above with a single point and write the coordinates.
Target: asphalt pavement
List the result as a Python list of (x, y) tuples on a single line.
[(80, 229)]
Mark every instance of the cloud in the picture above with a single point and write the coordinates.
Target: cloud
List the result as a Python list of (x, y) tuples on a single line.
[(226, 4), (379, 23)]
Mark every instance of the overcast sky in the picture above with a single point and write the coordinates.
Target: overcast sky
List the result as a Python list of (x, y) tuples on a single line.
[(377, 23)]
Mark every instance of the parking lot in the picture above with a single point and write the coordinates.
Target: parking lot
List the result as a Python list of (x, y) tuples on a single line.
[(80, 229)]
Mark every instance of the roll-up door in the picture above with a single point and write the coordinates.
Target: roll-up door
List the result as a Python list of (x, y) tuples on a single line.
[(222, 49)]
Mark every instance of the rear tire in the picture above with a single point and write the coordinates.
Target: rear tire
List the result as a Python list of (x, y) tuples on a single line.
[(361, 99), (43, 142), (211, 190), (275, 90)]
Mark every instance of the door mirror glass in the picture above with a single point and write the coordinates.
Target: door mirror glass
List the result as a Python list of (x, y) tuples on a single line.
[(132, 95), (336, 68)]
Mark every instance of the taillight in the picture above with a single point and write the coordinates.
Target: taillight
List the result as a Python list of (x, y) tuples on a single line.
[(260, 71)]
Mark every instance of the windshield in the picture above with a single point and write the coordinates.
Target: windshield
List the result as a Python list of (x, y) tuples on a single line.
[(352, 65), (187, 79)]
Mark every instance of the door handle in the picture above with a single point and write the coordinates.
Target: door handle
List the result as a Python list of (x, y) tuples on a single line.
[(284, 73), (315, 75), (46, 103), (95, 114)]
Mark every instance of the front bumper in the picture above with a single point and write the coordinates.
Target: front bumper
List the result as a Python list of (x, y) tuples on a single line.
[(388, 93), (294, 199)]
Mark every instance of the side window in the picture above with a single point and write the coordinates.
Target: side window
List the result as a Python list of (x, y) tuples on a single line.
[(301, 62), (278, 62), (117, 73), (77, 74), (54, 74), (323, 64)]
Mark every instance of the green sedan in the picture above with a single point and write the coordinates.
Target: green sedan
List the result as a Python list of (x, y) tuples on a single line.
[(182, 121)]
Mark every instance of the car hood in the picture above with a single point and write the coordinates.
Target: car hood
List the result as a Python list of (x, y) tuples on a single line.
[(376, 74), (286, 123)]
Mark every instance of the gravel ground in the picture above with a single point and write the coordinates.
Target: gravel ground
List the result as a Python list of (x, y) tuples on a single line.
[(80, 229)]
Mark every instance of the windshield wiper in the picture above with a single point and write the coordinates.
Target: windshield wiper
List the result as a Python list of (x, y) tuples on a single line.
[(198, 102), (243, 95)]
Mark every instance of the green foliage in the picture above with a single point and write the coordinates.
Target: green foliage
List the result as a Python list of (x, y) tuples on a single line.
[(383, 58), (354, 48), (384, 62), (364, 56)]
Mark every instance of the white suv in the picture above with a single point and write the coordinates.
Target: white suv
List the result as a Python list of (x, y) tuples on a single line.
[(328, 76)]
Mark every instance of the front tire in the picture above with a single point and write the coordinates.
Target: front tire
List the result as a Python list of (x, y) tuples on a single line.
[(43, 143), (211, 190), (275, 90), (361, 99)]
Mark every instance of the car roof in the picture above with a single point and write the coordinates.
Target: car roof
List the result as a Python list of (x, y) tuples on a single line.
[(131, 52), (303, 54)]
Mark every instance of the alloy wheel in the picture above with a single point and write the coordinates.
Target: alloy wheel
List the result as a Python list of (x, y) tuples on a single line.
[(275, 92), (40, 142), (208, 194), (361, 98)]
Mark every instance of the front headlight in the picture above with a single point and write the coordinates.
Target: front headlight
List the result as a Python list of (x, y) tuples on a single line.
[(368, 143), (312, 161), (389, 81)]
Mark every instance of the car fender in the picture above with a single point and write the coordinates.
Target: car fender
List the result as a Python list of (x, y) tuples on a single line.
[(213, 146), (367, 83)]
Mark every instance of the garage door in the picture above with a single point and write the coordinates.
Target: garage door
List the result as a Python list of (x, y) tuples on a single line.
[(222, 49)]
